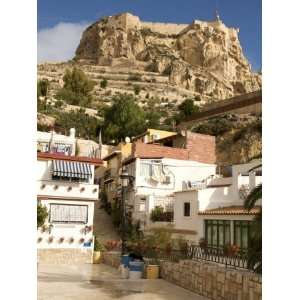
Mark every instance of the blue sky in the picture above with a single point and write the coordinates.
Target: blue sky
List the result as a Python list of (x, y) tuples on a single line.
[(60, 22)]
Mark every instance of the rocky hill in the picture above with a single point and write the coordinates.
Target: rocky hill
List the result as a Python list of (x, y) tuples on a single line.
[(158, 61)]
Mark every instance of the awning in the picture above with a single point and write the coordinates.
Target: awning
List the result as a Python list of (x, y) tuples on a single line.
[(71, 169)]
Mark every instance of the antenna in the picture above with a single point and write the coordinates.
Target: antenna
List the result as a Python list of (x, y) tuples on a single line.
[(217, 11)]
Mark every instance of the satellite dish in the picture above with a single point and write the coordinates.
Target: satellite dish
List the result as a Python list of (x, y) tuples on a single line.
[(127, 139)]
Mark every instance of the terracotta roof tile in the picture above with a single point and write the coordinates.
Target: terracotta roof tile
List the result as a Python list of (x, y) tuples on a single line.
[(231, 210)]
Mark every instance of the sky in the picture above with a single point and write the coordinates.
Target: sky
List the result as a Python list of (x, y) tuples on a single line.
[(61, 22)]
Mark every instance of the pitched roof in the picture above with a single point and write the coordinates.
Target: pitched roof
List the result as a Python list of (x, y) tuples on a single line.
[(231, 210)]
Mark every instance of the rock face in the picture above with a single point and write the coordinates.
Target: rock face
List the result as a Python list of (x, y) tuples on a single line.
[(203, 57)]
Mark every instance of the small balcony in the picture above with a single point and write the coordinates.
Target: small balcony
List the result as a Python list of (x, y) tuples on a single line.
[(110, 173), (67, 189)]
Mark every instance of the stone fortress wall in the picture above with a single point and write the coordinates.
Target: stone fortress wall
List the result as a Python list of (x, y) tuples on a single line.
[(129, 21)]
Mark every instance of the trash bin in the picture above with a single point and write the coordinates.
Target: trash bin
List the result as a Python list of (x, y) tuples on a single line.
[(136, 269), (152, 271), (125, 259)]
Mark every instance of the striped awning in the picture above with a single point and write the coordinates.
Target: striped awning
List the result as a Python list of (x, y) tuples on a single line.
[(71, 169)]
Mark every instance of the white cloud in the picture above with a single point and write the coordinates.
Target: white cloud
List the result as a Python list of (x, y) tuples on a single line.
[(59, 42)]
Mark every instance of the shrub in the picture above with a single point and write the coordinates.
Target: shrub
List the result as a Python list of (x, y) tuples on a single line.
[(137, 89), (42, 215), (103, 83), (97, 245), (159, 215)]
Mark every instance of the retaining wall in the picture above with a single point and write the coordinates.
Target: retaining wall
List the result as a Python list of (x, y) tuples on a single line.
[(204, 278), (65, 256), (212, 280)]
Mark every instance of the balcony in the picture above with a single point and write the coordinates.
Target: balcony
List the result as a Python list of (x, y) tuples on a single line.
[(110, 173), (67, 189)]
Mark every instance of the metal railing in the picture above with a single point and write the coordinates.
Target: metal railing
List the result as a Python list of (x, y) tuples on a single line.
[(217, 255), (197, 253)]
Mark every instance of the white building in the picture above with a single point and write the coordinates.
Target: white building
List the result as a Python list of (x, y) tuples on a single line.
[(158, 173), (215, 211), (65, 186)]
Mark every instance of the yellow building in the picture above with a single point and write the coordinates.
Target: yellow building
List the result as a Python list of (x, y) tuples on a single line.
[(151, 135)]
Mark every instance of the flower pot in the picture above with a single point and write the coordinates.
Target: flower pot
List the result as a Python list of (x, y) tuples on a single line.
[(96, 257), (152, 271)]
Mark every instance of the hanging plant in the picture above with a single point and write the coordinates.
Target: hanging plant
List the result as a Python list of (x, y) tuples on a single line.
[(94, 190), (50, 239), (90, 240), (39, 239), (81, 241), (44, 228), (82, 189), (69, 188), (61, 240), (71, 240), (55, 187), (43, 186)]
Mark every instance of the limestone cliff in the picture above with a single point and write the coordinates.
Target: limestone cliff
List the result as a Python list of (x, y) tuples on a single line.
[(203, 57)]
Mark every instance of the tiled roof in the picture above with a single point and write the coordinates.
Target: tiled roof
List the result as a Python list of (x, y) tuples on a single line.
[(231, 210), (54, 156)]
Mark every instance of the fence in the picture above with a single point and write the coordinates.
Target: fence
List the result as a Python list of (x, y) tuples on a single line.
[(238, 260), (195, 252)]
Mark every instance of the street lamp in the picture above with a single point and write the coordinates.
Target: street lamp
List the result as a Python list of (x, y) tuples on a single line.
[(125, 179)]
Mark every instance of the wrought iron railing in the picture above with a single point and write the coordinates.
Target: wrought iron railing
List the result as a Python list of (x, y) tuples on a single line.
[(218, 255), (197, 253)]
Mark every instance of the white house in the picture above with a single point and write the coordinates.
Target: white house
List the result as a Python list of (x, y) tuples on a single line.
[(65, 186), (215, 212), (159, 172)]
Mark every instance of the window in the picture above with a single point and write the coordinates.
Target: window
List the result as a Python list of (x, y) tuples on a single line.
[(242, 234), (68, 213), (187, 209), (217, 233)]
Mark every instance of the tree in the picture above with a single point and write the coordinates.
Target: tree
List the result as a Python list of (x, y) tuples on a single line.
[(86, 126), (42, 214), (43, 87), (255, 243), (124, 118), (103, 83), (187, 108), (77, 88)]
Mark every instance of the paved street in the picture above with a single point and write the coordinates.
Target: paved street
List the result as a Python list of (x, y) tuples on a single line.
[(102, 282)]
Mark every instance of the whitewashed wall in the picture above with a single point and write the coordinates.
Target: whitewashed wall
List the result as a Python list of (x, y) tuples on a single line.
[(66, 230)]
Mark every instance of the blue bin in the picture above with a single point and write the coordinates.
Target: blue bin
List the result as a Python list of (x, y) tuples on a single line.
[(125, 260), (136, 266)]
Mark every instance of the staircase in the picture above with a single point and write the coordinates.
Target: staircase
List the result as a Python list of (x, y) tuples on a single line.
[(103, 227)]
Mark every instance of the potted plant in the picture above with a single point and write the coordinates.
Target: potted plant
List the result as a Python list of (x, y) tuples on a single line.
[(97, 251)]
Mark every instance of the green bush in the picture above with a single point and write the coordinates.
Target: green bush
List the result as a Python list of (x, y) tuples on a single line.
[(103, 83), (159, 215), (43, 87), (137, 89), (97, 245), (42, 215)]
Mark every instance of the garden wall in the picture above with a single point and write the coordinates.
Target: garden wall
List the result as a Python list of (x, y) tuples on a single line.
[(212, 280), (204, 278)]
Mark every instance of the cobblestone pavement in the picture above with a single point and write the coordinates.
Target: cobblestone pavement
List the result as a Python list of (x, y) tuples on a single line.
[(101, 282)]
